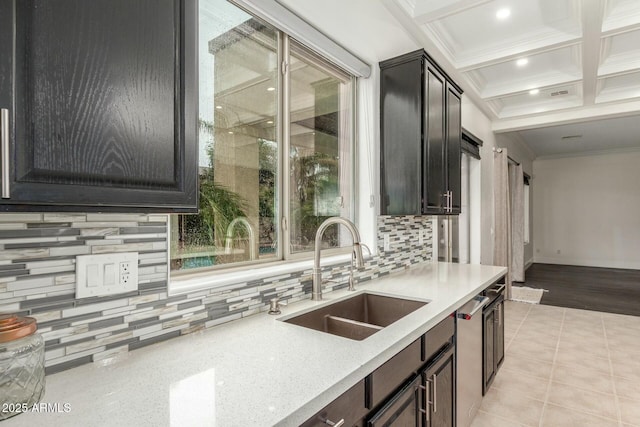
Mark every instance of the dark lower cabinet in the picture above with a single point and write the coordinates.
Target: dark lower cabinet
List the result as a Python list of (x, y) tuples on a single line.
[(98, 103), (440, 392), (488, 356), (493, 339), (403, 409), (499, 334), (416, 387), (427, 400), (347, 410)]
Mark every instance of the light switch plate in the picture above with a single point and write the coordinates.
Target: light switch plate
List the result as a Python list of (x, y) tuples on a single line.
[(106, 274), (422, 236)]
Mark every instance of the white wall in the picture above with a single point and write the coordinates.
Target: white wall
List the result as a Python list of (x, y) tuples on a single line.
[(588, 209), (478, 124), (370, 31)]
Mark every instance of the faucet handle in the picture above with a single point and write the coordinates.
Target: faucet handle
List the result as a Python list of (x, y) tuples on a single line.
[(274, 306), (367, 248)]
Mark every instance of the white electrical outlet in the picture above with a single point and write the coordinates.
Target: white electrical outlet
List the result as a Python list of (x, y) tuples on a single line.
[(387, 242), (107, 274), (125, 272)]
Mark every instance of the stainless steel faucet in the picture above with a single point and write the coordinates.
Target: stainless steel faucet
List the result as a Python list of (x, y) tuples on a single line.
[(316, 293), (252, 236)]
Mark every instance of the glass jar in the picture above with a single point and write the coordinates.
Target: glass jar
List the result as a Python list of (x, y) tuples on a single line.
[(21, 365)]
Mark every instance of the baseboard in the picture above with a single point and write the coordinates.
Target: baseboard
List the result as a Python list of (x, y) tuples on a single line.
[(589, 263), (528, 264)]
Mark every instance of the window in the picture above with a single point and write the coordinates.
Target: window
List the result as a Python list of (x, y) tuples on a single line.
[(319, 150), (275, 149)]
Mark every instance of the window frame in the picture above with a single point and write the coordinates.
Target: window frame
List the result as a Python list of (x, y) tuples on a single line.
[(285, 126), (283, 202)]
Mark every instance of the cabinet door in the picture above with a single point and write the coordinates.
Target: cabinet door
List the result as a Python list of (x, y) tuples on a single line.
[(348, 409), (401, 138), (103, 108), (434, 143), (499, 335), (454, 141), (402, 410), (440, 391), (488, 355)]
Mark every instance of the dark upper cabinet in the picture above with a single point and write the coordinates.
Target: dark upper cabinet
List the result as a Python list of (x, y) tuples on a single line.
[(99, 101), (401, 127), (434, 142), (454, 153), (420, 137)]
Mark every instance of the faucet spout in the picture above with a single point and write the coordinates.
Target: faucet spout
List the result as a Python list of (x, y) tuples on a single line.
[(252, 236), (316, 293)]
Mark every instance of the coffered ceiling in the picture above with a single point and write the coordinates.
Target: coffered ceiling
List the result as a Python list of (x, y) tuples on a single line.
[(525, 57), (581, 59), (536, 63)]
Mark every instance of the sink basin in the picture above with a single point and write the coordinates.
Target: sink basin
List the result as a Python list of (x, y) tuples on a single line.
[(357, 317)]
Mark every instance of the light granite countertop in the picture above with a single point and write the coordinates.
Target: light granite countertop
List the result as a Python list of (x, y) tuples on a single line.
[(257, 371)]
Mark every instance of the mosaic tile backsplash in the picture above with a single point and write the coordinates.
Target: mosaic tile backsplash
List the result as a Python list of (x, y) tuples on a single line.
[(37, 278)]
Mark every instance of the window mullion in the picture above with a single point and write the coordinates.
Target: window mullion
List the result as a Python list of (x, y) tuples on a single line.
[(284, 119)]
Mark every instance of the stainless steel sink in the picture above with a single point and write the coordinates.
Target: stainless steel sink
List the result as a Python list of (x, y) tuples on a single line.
[(357, 317)]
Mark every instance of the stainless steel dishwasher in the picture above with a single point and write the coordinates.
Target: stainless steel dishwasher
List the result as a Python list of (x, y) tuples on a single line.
[(469, 360)]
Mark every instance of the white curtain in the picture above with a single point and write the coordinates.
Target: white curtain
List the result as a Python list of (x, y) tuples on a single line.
[(516, 190), (502, 214)]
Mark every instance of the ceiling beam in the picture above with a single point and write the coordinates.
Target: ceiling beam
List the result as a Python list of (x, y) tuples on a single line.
[(526, 51), (568, 116), (524, 87), (621, 30), (424, 11), (592, 13)]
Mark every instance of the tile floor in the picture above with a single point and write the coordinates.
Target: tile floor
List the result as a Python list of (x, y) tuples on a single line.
[(565, 367)]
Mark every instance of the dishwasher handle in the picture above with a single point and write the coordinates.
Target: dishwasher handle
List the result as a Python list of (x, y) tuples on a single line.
[(498, 289), (481, 303)]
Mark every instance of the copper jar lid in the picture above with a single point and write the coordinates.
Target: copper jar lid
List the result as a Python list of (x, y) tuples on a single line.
[(13, 327)]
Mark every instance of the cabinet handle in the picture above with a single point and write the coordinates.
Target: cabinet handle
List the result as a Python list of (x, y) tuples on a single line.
[(4, 148), (450, 201), (447, 204), (331, 423), (427, 401), (434, 398), (424, 401)]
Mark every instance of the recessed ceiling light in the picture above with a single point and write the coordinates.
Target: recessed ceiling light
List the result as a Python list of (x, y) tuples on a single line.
[(534, 91), (270, 122), (503, 13), (230, 133), (219, 107), (522, 62), (271, 89)]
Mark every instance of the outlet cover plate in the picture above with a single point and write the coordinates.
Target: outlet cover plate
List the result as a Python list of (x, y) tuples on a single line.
[(100, 275)]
